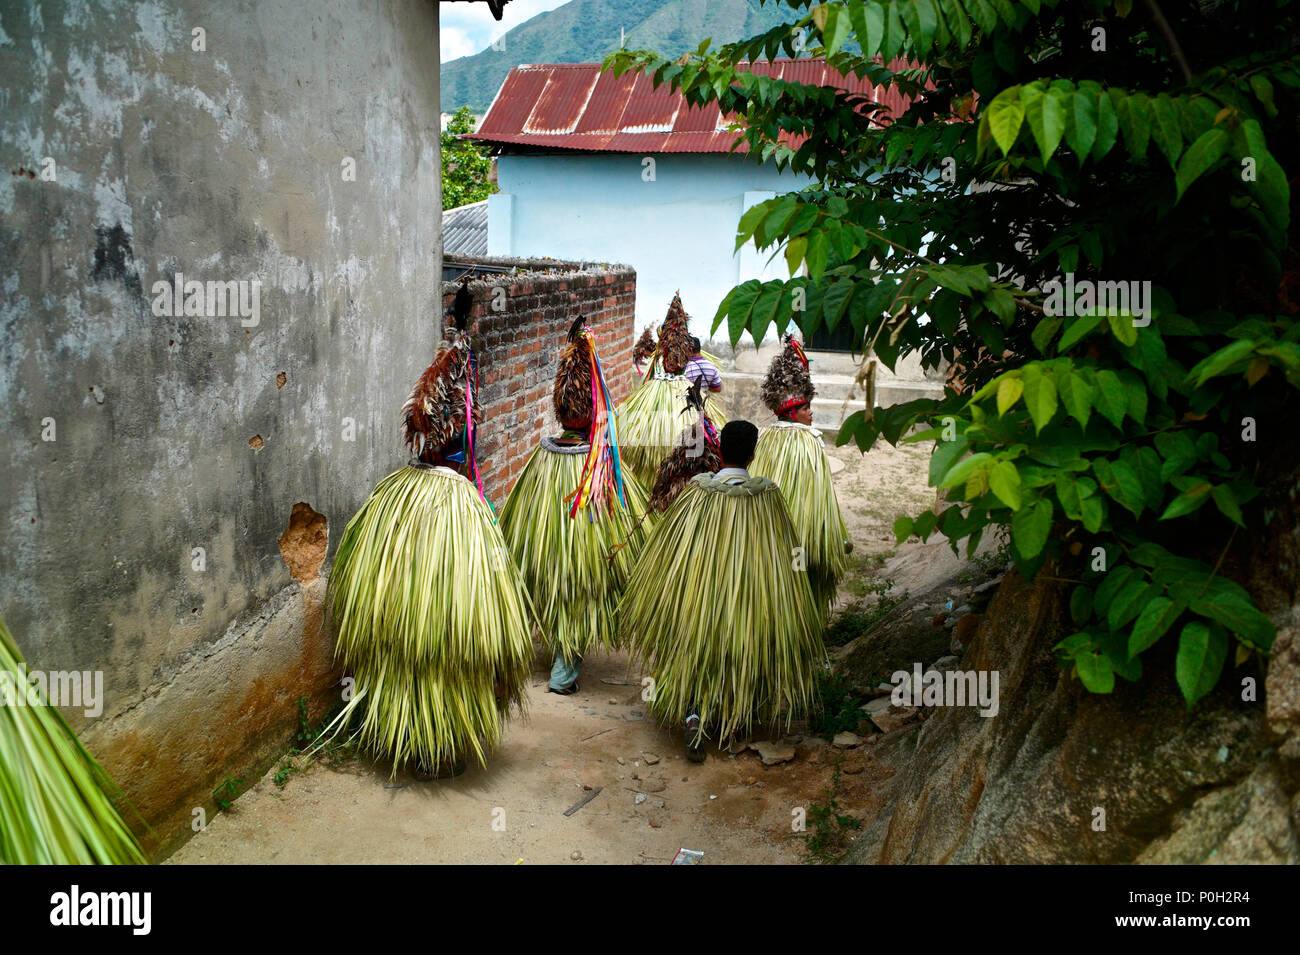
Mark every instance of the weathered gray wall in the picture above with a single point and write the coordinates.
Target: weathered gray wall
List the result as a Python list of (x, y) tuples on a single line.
[(224, 164)]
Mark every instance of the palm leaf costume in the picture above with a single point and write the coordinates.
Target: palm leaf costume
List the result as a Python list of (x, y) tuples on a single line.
[(649, 418), (695, 452), (573, 520), (56, 802), (431, 613), (720, 613), (793, 456)]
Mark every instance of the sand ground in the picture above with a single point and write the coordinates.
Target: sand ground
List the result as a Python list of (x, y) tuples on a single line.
[(651, 801)]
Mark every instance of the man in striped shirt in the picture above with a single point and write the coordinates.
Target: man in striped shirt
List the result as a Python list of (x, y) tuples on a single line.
[(702, 371)]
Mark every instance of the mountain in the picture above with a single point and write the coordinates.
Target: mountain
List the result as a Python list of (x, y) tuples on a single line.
[(584, 31)]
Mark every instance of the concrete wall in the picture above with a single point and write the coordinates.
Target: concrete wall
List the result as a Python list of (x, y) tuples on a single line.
[(519, 346), (678, 231), (175, 432)]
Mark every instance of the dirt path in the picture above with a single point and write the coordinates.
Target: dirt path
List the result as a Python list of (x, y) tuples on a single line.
[(732, 807)]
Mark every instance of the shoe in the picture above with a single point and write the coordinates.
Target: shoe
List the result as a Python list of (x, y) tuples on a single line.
[(694, 740), (569, 690)]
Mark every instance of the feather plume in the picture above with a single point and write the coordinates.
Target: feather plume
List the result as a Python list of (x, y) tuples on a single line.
[(434, 414), (696, 452), (571, 396), (645, 346), (675, 338), (787, 377)]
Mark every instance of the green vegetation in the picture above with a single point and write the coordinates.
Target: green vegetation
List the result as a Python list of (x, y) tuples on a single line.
[(229, 790), (828, 827), (311, 736), (838, 710), (466, 165), (1095, 141), (584, 31)]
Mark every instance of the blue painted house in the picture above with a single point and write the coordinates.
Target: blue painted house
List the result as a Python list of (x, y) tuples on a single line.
[(594, 166)]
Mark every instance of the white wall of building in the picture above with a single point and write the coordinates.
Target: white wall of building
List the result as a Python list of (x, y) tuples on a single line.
[(677, 229)]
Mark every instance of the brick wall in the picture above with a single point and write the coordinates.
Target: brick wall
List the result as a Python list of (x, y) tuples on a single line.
[(519, 343)]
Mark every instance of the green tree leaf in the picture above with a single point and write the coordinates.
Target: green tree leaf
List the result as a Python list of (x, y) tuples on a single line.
[(1030, 527), (1202, 651)]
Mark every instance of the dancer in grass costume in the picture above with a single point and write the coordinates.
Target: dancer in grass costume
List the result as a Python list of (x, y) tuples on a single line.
[(791, 452), (573, 521), (431, 613), (650, 418), (720, 608)]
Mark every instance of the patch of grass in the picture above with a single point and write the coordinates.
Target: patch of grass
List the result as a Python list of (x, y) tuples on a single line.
[(828, 827), (874, 603), (307, 737), (226, 794), (838, 710)]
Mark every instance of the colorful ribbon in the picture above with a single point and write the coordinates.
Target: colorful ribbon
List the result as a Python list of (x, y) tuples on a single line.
[(601, 482)]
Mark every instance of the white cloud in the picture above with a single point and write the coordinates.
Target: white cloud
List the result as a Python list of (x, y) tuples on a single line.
[(468, 28)]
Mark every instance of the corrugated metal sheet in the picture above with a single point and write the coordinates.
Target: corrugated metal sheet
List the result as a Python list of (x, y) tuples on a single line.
[(576, 106), (465, 229)]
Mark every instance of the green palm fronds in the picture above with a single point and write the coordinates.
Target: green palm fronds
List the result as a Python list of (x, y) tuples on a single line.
[(718, 610), (432, 619), (651, 418), (573, 580), (55, 799), (795, 458)]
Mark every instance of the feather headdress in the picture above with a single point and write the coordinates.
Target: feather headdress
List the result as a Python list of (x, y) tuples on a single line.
[(582, 399), (675, 338), (572, 394), (788, 384), (696, 452), (441, 415), (645, 348)]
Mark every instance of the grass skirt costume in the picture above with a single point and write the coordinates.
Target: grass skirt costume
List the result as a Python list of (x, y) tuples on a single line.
[(793, 456), (566, 561), (432, 617), (56, 802), (728, 626), (574, 521), (650, 418), (431, 613)]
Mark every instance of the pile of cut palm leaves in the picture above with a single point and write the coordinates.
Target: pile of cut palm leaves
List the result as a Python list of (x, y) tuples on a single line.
[(432, 620), (56, 801), (719, 610), (795, 458)]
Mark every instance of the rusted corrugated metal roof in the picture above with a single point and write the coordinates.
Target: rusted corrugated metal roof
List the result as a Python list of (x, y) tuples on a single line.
[(576, 106)]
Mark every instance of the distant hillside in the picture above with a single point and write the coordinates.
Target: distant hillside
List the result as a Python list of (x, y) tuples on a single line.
[(584, 31)]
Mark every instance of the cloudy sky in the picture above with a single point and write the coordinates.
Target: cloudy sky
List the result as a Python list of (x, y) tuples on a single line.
[(467, 28)]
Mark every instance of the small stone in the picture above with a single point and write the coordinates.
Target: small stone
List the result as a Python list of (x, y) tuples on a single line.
[(853, 766), (650, 758), (656, 820), (576, 855), (846, 740), (750, 780), (613, 702), (773, 754), (622, 761), (896, 717), (654, 784), (640, 798), (944, 664), (876, 706)]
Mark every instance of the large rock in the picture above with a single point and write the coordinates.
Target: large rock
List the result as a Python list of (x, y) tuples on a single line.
[(1060, 775)]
